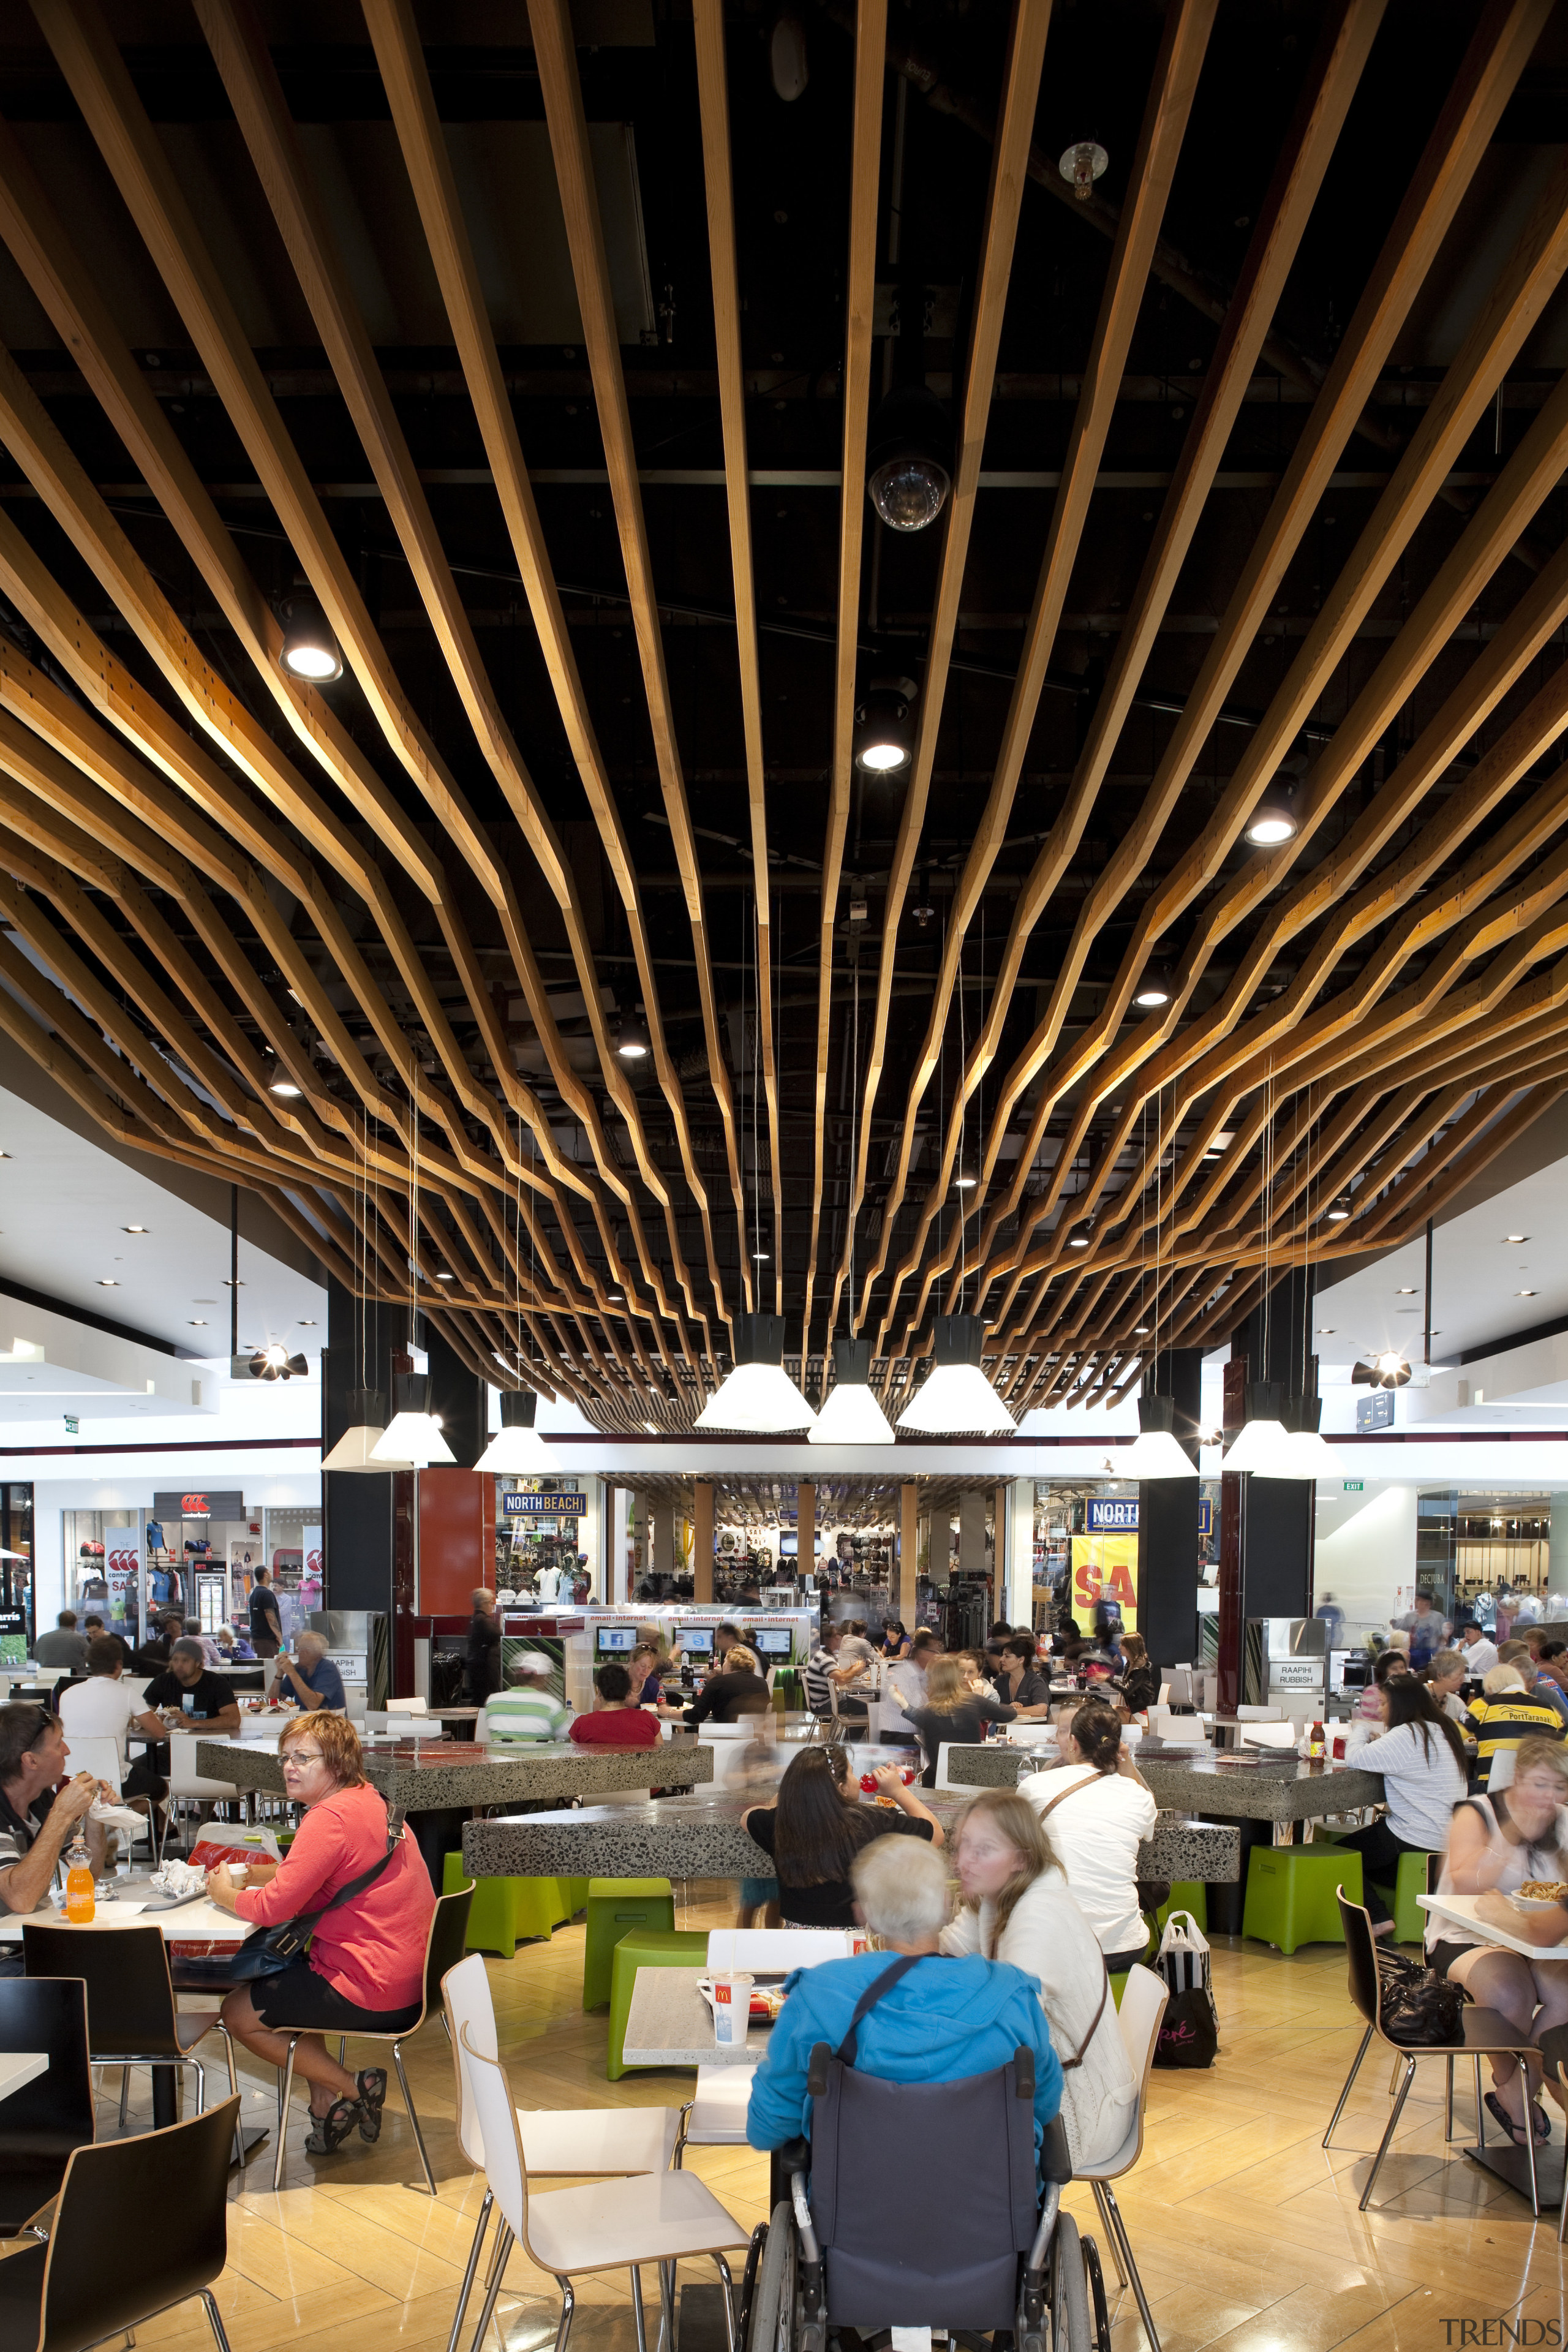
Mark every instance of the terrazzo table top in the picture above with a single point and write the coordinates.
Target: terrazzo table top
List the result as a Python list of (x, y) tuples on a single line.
[(701, 1837), (670, 2024), (500, 1776), (1199, 1785)]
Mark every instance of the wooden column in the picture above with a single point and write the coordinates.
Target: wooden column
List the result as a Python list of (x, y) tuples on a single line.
[(702, 1542), (909, 1552), (806, 1540)]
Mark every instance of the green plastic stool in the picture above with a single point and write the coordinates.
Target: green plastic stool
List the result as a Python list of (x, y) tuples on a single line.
[(1186, 1894), (615, 1905), (644, 1948), (505, 1912), (1409, 1919), (1119, 1985), (1291, 1893)]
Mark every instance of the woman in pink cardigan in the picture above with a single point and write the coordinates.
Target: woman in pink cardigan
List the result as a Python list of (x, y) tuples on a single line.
[(365, 1967)]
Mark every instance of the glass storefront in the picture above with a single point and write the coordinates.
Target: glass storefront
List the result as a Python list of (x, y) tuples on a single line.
[(1488, 1555), (130, 1565)]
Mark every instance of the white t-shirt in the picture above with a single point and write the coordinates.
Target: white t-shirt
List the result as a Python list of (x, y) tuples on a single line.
[(1480, 1658), (102, 1708), (1095, 1833), (1421, 1789)]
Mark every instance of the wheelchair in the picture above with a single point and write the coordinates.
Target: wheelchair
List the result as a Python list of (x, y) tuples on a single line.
[(917, 2205)]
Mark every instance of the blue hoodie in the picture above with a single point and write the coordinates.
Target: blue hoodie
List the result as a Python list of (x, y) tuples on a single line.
[(945, 2019)]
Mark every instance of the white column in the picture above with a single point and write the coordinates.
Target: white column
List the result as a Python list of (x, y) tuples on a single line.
[(620, 1588), (589, 1528), (1015, 1598)]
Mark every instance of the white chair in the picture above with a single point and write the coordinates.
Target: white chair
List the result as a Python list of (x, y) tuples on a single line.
[(1261, 1715), (186, 1785), (1267, 1734), (98, 1754), (407, 1706), (661, 2218), (716, 2116), (1142, 2006), (562, 2143)]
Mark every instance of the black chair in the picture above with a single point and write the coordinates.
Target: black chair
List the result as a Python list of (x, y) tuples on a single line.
[(131, 2017), (445, 1948), (1486, 2034), (48, 2118), (103, 2269)]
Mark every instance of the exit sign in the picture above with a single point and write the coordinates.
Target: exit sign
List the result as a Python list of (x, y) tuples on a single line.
[(1354, 1486)]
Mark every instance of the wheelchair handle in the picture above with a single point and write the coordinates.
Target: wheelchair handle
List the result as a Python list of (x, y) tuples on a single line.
[(1024, 2073)]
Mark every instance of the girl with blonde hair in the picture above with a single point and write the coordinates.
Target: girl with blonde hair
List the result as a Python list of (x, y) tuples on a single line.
[(1016, 1907)]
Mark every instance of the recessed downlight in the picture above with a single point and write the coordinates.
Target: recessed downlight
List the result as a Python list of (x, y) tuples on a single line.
[(1510, 1241), (197, 1322), (108, 1282), (133, 1229), (1406, 1290), (1524, 1294)]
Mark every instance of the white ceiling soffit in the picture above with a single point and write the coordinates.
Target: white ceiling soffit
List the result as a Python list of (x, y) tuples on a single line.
[(63, 1206), (51, 1366)]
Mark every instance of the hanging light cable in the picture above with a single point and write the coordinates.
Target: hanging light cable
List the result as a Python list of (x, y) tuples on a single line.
[(367, 1405), (1304, 1454), (414, 1434), (1156, 1452), (850, 1414), (1260, 1448)]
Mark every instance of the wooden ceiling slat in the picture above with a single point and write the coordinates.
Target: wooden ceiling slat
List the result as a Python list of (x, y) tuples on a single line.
[(1497, 55), (556, 56), (708, 19), (1173, 84), (1009, 171), (1346, 38), (428, 163), (859, 308), (239, 48)]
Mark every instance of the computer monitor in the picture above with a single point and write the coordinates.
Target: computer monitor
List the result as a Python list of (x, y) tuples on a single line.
[(616, 1641), (697, 1641), (770, 1640)]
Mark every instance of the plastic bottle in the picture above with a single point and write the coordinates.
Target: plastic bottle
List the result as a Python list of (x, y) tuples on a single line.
[(80, 1905), (1315, 1744)]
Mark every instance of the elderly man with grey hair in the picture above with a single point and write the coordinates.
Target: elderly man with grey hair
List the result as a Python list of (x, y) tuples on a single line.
[(933, 2021), (308, 1675)]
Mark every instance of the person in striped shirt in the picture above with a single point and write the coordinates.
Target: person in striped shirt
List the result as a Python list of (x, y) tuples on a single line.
[(530, 1710), (1507, 1714)]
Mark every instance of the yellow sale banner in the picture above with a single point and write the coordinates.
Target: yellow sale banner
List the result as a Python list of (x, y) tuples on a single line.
[(1105, 1567)]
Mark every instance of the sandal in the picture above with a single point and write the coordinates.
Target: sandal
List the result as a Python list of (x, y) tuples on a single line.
[(1539, 2123), (372, 2087), (328, 2132)]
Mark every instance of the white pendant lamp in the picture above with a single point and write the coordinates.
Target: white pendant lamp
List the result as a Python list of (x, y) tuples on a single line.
[(413, 1438), (957, 1400), (1156, 1450), (851, 1416), (355, 1449), (1305, 1455), (517, 1445), (1261, 1448), (758, 1399)]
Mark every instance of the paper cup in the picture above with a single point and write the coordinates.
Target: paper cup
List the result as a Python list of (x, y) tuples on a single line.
[(731, 1992)]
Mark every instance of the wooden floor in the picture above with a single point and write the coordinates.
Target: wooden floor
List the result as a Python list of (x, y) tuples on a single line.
[(1247, 2230)]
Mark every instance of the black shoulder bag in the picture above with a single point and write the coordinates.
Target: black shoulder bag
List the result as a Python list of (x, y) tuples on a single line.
[(268, 1950)]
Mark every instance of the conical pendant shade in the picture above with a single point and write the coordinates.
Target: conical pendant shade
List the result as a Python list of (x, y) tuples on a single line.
[(1155, 1452), (413, 1438), (1261, 1448), (758, 1397), (1304, 1454), (354, 1448), (956, 1398), (851, 1416), (517, 1446)]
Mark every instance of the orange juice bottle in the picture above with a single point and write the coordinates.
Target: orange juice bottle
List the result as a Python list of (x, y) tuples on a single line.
[(79, 1905)]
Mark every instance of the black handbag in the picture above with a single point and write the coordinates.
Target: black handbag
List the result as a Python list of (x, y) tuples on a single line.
[(1418, 2008), (268, 1950)]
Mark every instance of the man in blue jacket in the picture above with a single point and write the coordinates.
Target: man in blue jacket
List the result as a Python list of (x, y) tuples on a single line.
[(945, 2019)]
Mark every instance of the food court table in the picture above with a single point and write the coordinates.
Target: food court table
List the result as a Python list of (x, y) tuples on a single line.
[(701, 1837), (20, 2066), (670, 2024), (194, 1923), (1504, 2160), (440, 1784)]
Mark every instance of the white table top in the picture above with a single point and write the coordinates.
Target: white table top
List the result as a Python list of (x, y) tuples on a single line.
[(670, 2024), (194, 1923), (20, 2066), (1461, 1909)]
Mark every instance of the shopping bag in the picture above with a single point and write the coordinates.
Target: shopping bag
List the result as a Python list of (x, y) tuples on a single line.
[(1189, 2030)]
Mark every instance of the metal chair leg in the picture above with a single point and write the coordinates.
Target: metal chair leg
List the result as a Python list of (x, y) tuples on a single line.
[(1123, 2244), (498, 2253), (1530, 2143), (637, 2310), (284, 2090), (124, 2093), (568, 2306), (1481, 2116), (201, 2084), (213, 2322), (412, 2115), (1121, 2279), (487, 2313), (1349, 2078), (1449, 2101), (1383, 2145), (234, 2093), (728, 2284), (466, 2290), (677, 2154)]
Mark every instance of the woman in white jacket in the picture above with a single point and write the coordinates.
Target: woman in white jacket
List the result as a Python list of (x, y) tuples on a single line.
[(1016, 1907)]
